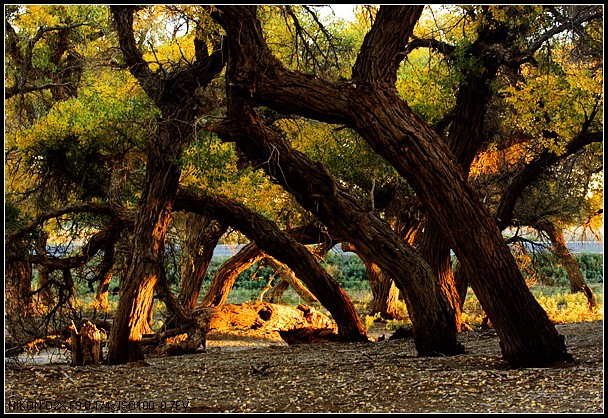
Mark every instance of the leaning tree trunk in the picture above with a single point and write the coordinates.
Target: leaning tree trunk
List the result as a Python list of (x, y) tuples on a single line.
[(384, 291), (573, 270), (202, 236), (225, 277), (286, 249), (288, 277), (370, 103), (316, 190)]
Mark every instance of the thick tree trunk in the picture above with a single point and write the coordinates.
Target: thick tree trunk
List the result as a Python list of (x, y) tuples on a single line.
[(370, 103), (202, 236), (436, 251), (263, 316), (18, 290), (573, 270), (286, 249), (173, 95), (137, 288), (316, 190)]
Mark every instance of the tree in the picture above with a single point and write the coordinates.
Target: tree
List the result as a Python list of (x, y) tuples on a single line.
[(369, 103)]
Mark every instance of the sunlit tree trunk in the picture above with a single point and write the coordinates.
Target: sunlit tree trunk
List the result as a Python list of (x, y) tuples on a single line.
[(573, 270), (225, 277), (286, 249), (131, 320), (174, 96)]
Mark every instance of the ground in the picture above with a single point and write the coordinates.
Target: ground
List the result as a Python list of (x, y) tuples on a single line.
[(245, 374)]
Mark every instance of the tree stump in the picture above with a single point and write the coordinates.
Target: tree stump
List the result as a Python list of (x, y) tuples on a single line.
[(86, 344)]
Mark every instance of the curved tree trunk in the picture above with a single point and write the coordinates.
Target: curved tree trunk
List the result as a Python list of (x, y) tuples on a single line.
[(225, 277), (101, 295), (370, 103), (316, 190), (202, 236), (285, 249), (573, 270)]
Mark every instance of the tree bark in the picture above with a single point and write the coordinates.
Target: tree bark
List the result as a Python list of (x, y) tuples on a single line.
[(202, 236), (173, 95), (316, 190), (225, 277), (287, 276), (285, 249), (384, 291), (573, 270), (370, 104)]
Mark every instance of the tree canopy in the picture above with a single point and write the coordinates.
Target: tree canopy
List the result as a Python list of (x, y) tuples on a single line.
[(409, 132)]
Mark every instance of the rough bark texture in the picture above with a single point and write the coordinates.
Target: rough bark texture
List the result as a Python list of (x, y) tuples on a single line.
[(86, 344), (384, 291), (285, 249), (202, 235), (373, 108), (316, 190), (263, 316), (173, 95)]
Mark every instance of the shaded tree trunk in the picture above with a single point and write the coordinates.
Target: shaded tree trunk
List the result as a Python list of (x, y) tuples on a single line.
[(45, 294), (202, 236), (226, 275), (370, 103), (573, 270), (18, 290), (137, 287), (384, 291)]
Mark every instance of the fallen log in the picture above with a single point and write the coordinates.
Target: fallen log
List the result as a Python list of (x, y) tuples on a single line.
[(261, 317)]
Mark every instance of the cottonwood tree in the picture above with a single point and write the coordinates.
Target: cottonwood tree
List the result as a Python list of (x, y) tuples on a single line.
[(369, 103)]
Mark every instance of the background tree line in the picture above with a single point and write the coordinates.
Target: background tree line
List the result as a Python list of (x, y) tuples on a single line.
[(403, 136)]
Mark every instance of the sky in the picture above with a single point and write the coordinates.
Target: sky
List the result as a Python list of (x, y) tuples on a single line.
[(345, 11)]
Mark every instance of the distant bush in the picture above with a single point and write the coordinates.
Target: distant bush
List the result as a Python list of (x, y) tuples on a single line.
[(591, 265)]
